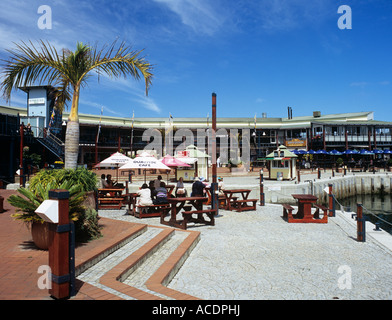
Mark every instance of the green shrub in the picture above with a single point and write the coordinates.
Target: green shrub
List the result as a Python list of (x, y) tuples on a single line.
[(78, 182), (339, 162), (32, 200), (86, 179)]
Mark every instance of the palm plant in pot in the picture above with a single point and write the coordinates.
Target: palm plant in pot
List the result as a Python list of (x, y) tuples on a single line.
[(78, 183), (32, 200)]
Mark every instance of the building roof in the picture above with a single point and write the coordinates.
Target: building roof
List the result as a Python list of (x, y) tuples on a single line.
[(356, 118), (286, 154)]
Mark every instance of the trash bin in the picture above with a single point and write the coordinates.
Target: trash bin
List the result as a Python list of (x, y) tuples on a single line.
[(279, 176)]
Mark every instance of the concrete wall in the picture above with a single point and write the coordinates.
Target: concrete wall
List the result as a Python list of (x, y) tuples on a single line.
[(341, 187)]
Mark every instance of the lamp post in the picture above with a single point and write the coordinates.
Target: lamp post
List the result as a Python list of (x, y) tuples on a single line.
[(214, 185)]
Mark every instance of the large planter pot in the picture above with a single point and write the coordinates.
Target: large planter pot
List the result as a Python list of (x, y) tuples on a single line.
[(90, 201), (40, 234)]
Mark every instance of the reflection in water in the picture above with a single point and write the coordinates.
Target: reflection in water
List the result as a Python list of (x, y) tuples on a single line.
[(375, 204)]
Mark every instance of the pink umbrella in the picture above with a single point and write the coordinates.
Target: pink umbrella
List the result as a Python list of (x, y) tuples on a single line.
[(170, 161)]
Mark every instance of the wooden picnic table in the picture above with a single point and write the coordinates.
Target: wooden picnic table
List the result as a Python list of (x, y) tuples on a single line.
[(304, 214), (117, 192), (221, 198), (131, 199), (110, 198), (170, 188), (233, 203), (186, 204)]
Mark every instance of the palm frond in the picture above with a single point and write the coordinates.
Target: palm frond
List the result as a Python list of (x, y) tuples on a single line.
[(29, 65), (121, 61)]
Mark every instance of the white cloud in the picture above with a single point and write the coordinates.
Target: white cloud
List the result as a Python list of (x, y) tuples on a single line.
[(360, 84), (280, 15), (148, 104), (199, 15), (98, 106), (135, 89)]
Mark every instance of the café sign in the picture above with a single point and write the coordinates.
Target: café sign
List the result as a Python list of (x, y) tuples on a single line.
[(295, 143)]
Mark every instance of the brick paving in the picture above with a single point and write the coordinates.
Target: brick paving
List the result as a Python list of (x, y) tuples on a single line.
[(245, 256), (20, 259)]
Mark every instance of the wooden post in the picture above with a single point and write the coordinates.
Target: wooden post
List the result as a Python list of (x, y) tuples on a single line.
[(21, 173), (214, 184), (361, 232), (262, 198), (96, 147), (59, 250), (331, 202)]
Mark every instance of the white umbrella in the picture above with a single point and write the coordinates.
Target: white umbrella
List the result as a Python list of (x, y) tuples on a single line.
[(115, 160), (144, 162)]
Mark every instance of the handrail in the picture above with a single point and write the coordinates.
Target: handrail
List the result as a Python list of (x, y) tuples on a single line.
[(54, 138), (368, 211)]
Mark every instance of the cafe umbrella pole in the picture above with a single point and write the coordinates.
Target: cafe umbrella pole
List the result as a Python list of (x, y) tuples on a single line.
[(214, 184)]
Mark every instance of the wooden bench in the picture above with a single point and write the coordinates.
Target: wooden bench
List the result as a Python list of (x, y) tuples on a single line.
[(154, 210), (287, 211), (319, 207), (187, 215), (110, 203), (242, 205), (221, 201)]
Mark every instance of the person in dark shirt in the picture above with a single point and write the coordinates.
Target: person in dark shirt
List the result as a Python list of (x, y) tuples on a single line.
[(161, 194), (197, 188)]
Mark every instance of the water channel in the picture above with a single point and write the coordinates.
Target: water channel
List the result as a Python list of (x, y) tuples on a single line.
[(377, 208)]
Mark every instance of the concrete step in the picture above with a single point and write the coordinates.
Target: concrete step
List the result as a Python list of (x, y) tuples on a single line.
[(142, 267)]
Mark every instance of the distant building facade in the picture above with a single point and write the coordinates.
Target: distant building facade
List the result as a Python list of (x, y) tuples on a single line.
[(101, 136)]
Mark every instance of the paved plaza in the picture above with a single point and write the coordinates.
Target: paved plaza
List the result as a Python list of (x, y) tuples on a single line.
[(251, 255), (258, 255)]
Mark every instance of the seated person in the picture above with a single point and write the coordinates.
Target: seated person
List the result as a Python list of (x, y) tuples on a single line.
[(180, 188), (157, 182), (161, 194), (144, 198), (152, 188), (102, 182), (109, 181), (197, 188), (221, 186)]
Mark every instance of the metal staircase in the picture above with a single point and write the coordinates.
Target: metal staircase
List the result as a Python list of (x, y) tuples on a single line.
[(53, 144)]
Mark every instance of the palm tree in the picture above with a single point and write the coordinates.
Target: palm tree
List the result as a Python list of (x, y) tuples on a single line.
[(68, 72)]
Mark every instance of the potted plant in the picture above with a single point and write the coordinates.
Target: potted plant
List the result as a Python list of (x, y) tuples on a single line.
[(32, 200), (85, 218), (339, 163)]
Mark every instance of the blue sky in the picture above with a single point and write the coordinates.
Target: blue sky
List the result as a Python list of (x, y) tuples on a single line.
[(258, 56)]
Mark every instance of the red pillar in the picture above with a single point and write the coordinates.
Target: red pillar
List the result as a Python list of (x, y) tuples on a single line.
[(214, 184), (21, 129), (59, 253), (360, 224)]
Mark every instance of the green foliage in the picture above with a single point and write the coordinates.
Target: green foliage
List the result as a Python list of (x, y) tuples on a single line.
[(78, 182), (33, 158), (32, 200), (339, 162), (86, 179), (87, 226)]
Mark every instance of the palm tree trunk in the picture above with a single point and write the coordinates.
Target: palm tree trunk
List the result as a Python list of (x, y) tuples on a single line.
[(71, 145), (72, 134)]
